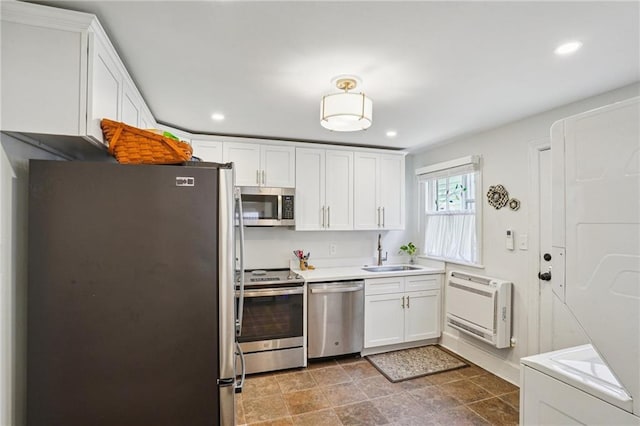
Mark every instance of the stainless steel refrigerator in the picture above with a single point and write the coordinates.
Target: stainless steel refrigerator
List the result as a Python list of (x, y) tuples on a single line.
[(131, 312)]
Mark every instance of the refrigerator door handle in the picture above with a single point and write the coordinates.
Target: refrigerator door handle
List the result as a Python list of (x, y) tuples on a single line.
[(240, 384), (241, 279)]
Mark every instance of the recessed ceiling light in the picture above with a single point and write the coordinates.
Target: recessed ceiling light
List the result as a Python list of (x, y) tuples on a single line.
[(217, 116), (568, 48), (392, 134)]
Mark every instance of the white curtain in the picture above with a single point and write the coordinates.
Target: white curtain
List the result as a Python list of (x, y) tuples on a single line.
[(451, 236)]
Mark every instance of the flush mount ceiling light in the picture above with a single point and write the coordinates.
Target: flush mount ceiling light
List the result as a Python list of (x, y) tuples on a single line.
[(346, 111), (216, 116), (568, 48)]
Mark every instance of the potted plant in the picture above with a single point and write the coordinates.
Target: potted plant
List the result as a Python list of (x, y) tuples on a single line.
[(411, 250)]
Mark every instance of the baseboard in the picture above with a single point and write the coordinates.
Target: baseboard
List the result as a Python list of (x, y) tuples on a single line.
[(498, 366)]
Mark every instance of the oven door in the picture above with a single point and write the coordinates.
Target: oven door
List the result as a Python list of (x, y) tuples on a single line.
[(273, 319)]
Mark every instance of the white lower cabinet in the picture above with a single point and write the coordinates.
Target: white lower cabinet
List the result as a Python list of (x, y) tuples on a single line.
[(401, 309)]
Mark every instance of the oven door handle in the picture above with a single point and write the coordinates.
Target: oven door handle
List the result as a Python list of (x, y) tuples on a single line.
[(336, 290), (273, 292)]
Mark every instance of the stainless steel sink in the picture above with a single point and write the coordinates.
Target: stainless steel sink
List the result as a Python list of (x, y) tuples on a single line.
[(390, 268)]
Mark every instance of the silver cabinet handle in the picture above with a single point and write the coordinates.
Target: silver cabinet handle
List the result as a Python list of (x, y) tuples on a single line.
[(378, 218), (264, 179), (323, 216), (258, 177), (329, 217), (383, 217), (402, 302), (407, 302), (336, 290)]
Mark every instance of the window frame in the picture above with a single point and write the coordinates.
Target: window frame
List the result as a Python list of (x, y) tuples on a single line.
[(457, 167)]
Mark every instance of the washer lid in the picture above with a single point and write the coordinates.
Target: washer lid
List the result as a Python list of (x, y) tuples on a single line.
[(583, 368)]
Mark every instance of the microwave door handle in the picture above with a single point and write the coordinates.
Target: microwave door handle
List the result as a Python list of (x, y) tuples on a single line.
[(279, 207), (241, 295)]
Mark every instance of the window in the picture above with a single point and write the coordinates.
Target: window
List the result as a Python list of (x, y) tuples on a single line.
[(450, 210)]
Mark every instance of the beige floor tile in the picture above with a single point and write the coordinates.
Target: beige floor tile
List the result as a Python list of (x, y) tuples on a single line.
[(284, 421), (446, 377), (296, 381), (263, 409), (360, 370), (378, 386), (305, 401), (494, 384), (343, 394), (326, 417), (330, 376), (259, 387), (460, 416), (361, 413), (434, 399), (513, 399), (398, 406), (465, 391), (496, 411)]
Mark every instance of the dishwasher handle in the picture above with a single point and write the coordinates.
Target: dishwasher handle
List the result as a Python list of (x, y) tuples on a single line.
[(337, 289)]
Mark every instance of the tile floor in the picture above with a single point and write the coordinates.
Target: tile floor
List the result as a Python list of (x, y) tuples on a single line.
[(352, 392)]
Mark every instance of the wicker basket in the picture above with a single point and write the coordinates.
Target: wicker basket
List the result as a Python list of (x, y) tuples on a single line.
[(131, 145)]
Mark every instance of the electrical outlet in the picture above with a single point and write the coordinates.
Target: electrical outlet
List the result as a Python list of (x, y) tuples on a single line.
[(332, 249)]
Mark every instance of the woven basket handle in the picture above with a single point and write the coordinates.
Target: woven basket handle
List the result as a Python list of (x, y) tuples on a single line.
[(114, 139), (172, 145)]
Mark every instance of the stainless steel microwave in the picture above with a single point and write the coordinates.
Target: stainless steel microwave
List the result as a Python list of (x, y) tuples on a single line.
[(267, 206)]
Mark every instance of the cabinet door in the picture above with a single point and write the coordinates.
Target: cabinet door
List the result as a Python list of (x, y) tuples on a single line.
[(392, 191), (383, 320), (131, 106), (278, 165), (422, 315), (105, 87), (310, 189), (339, 190), (207, 150), (365, 206), (43, 78), (246, 158)]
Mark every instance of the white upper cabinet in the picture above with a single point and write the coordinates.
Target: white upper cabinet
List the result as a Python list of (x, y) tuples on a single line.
[(61, 76), (261, 165), (379, 191), (207, 149), (324, 190)]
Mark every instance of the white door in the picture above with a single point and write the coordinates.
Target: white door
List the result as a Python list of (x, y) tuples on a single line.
[(392, 191), (339, 190), (246, 159), (279, 166), (383, 319), (207, 150), (558, 329), (366, 191), (422, 315), (310, 181)]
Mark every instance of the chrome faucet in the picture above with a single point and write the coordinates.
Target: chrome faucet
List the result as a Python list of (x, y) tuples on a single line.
[(380, 258)]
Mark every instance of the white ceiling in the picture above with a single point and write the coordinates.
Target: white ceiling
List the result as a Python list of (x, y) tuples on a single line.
[(435, 70)]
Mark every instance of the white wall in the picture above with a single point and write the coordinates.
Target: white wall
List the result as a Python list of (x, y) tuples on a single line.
[(14, 157), (505, 153)]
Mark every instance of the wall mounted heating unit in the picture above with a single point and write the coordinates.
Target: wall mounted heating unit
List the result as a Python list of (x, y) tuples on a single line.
[(480, 307)]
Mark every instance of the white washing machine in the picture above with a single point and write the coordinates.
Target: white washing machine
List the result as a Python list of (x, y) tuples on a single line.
[(596, 273), (570, 387)]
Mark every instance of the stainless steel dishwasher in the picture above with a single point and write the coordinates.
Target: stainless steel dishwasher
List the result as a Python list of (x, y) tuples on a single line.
[(335, 318)]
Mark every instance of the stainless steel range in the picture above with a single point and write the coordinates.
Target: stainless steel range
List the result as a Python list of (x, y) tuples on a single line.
[(272, 336)]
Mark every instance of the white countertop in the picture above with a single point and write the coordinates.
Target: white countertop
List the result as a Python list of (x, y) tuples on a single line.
[(356, 272)]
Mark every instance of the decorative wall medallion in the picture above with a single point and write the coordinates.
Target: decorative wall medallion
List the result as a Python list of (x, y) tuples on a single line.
[(514, 204), (497, 196)]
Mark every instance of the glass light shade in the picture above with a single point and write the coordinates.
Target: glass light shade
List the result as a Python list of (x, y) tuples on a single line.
[(346, 112)]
